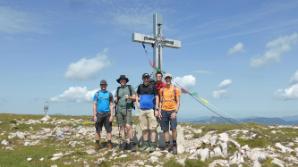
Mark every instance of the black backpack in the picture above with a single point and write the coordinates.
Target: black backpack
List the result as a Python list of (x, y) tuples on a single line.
[(130, 94)]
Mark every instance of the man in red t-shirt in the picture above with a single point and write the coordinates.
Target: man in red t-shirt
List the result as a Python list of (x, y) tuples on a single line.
[(159, 84)]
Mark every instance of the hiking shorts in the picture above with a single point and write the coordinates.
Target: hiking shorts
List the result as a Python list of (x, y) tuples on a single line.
[(124, 116), (103, 120), (167, 121), (148, 120)]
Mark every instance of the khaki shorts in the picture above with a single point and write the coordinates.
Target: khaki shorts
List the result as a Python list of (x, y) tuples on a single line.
[(148, 120), (124, 117)]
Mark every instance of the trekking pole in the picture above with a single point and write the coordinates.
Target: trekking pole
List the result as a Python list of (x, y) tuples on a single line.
[(126, 109), (119, 134)]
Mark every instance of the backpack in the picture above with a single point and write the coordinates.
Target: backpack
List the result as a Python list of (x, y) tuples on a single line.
[(110, 95), (130, 94)]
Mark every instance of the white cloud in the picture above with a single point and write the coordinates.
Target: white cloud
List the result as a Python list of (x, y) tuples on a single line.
[(238, 48), (219, 93), (221, 90), (85, 68), (75, 94), (14, 21), (294, 78), (186, 81), (225, 83), (291, 92), (275, 50)]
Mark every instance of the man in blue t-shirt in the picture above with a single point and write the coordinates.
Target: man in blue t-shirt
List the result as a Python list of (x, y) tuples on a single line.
[(103, 113), (147, 99)]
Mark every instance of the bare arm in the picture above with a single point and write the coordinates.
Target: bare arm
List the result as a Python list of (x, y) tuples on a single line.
[(112, 108), (116, 99), (132, 97), (156, 101), (94, 110), (137, 100), (178, 103), (157, 109)]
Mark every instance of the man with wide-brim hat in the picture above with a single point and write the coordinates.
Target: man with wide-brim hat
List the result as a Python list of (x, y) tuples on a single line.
[(125, 98), (122, 77)]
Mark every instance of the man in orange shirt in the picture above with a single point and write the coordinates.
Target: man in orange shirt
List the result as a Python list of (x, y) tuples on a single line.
[(169, 104)]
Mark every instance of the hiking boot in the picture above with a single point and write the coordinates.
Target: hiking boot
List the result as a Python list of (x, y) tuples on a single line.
[(132, 147), (152, 147), (145, 146), (97, 146), (110, 146), (123, 146), (174, 149), (167, 147)]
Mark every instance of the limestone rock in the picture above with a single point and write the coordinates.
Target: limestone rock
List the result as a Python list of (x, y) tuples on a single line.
[(203, 153), (278, 162), (4, 142), (283, 148), (90, 151)]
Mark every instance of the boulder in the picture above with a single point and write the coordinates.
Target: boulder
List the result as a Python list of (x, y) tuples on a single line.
[(90, 151), (219, 162), (4, 142), (180, 140), (283, 148), (217, 152), (57, 156), (203, 153), (278, 162)]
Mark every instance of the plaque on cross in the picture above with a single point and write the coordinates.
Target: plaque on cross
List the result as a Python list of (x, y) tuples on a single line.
[(157, 41)]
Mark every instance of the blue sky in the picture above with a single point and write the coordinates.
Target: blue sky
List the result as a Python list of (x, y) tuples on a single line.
[(240, 55)]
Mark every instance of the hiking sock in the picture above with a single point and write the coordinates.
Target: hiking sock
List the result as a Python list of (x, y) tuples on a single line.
[(153, 144), (146, 143), (174, 143), (167, 143), (167, 146), (152, 147)]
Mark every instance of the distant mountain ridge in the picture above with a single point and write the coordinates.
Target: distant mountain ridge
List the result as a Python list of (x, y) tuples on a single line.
[(293, 120)]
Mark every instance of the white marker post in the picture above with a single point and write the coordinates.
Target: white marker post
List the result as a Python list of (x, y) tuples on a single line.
[(157, 40)]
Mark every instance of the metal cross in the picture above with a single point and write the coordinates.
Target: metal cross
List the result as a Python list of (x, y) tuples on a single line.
[(157, 41)]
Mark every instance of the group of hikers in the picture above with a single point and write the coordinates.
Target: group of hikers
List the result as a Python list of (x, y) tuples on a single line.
[(158, 103)]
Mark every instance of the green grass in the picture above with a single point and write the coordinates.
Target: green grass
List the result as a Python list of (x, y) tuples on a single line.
[(253, 143), (267, 163), (195, 163), (172, 163), (19, 156), (231, 149), (46, 148)]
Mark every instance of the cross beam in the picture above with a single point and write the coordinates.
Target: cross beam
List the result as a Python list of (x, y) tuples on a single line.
[(157, 40)]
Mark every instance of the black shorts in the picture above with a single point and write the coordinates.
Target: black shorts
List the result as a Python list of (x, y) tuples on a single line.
[(166, 121), (103, 120)]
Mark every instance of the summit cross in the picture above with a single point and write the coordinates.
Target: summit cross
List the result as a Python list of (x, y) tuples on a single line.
[(157, 41)]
